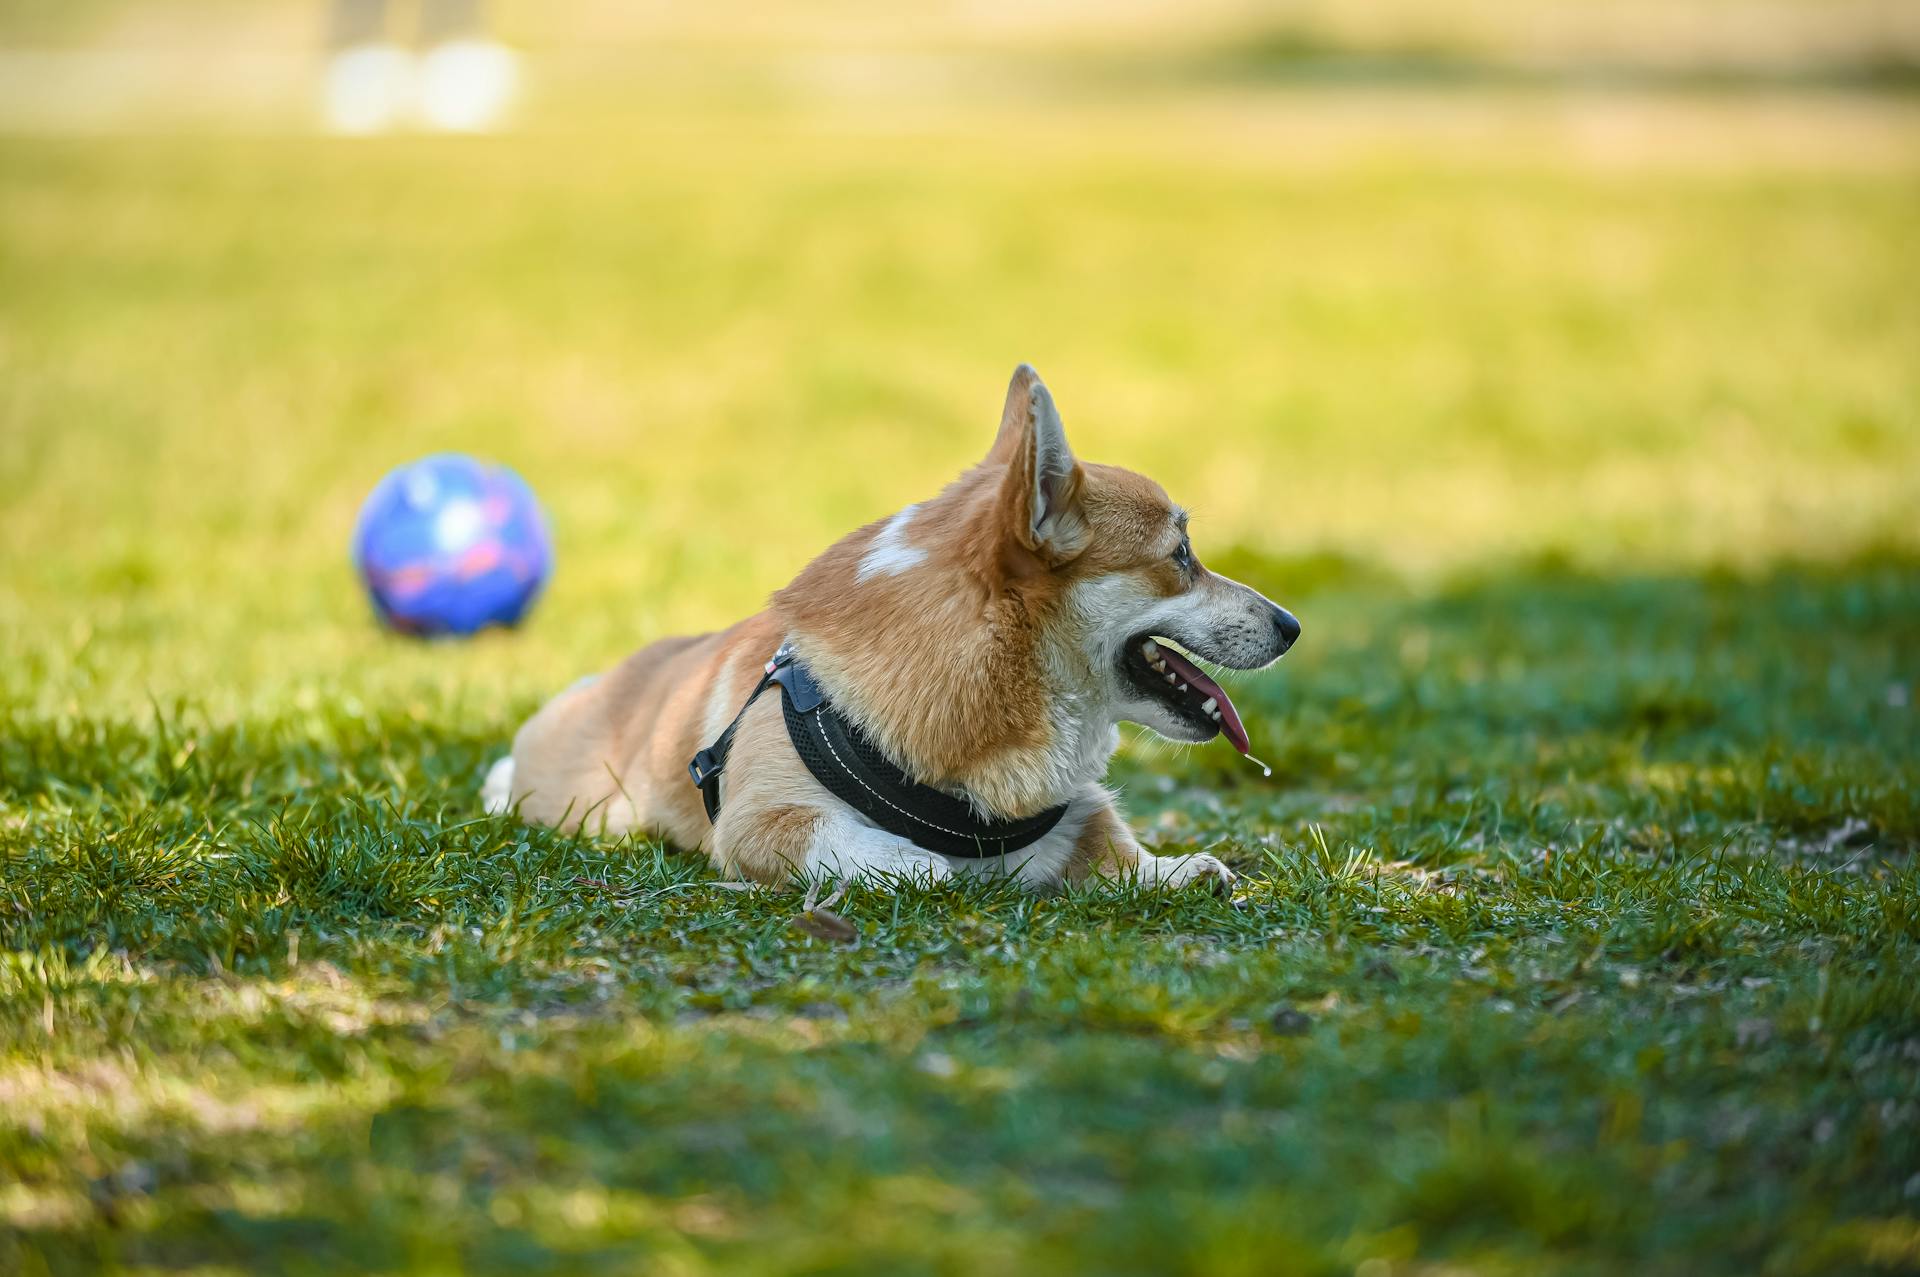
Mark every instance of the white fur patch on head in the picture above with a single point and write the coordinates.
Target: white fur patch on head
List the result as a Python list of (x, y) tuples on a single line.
[(1108, 608), (890, 554)]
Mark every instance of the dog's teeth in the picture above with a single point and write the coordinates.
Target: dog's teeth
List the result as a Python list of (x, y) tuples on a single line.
[(1161, 666), (1150, 650), (1183, 687), (1172, 679), (1209, 704)]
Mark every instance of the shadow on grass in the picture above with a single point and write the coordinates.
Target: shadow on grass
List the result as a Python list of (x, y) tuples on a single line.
[(1779, 702)]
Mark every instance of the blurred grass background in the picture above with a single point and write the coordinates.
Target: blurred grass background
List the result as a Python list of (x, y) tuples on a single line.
[(1558, 362), (746, 278)]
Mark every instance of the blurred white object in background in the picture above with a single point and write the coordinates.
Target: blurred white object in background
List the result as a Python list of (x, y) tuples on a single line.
[(369, 88), (463, 82), (466, 86)]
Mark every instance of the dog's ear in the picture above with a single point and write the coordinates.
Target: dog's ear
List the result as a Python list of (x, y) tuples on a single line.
[(1040, 497)]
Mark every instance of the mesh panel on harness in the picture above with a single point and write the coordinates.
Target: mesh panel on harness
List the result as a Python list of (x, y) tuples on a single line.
[(854, 770)]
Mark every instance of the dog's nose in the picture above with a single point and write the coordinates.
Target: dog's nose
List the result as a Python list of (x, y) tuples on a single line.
[(1289, 628)]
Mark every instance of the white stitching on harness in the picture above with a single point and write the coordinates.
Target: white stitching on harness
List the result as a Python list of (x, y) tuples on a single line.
[(951, 833)]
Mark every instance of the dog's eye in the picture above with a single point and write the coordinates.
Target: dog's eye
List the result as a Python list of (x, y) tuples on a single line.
[(1183, 555)]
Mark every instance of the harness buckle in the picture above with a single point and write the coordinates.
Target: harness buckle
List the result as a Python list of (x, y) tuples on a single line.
[(704, 767)]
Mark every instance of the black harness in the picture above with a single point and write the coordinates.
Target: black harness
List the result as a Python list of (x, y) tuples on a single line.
[(855, 771)]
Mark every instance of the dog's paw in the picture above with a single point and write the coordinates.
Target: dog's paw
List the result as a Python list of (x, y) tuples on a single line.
[(1179, 871), (886, 866)]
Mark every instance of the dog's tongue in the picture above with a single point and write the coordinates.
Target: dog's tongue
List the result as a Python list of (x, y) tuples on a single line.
[(1192, 677)]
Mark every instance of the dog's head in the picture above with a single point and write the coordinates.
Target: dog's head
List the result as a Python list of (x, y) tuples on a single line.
[(990, 638), (1135, 603)]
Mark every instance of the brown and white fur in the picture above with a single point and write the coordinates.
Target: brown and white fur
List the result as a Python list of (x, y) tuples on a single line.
[(979, 638)]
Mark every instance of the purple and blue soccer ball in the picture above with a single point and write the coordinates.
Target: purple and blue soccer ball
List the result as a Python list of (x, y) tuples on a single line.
[(449, 545)]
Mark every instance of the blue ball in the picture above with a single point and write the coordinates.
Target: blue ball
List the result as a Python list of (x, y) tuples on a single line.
[(450, 545)]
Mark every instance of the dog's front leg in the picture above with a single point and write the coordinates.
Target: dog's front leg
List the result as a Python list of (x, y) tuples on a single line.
[(817, 844), (1108, 849), (845, 847)]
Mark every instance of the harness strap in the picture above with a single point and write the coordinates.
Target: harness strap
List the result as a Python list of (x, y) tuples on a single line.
[(855, 771), (711, 761)]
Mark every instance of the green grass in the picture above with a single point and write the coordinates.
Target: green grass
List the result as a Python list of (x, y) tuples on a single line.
[(1580, 919)]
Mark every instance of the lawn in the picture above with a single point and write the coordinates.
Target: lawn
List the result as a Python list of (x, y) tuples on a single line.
[(1580, 920)]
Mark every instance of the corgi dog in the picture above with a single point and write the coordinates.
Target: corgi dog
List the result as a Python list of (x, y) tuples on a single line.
[(983, 646)]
